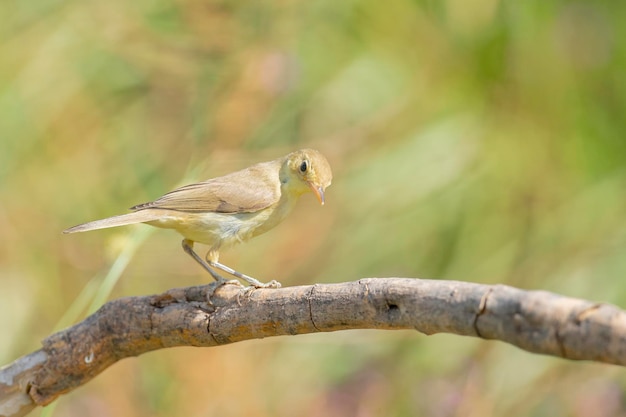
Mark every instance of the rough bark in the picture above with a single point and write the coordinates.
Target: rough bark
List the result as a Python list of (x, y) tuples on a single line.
[(536, 321)]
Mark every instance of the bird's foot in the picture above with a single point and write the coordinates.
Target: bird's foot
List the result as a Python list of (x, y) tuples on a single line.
[(252, 281), (219, 282), (247, 291), (258, 284)]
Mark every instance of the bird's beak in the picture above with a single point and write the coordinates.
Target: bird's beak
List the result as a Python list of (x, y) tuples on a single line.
[(318, 191)]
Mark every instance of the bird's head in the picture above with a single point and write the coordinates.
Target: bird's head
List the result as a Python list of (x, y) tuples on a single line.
[(308, 170)]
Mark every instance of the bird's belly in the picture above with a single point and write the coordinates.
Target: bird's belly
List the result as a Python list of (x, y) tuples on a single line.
[(218, 230)]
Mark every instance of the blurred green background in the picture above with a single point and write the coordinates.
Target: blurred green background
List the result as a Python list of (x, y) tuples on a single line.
[(474, 140)]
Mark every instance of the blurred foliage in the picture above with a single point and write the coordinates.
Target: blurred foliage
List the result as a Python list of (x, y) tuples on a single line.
[(476, 140)]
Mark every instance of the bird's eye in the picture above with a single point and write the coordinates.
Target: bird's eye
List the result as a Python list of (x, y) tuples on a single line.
[(304, 166)]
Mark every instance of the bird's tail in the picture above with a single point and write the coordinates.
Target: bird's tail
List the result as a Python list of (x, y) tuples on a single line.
[(141, 216)]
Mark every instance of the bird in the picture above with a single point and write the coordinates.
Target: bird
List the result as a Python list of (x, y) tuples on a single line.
[(231, 209)]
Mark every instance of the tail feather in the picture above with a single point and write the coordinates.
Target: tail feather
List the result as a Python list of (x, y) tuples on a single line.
[(141, 216)]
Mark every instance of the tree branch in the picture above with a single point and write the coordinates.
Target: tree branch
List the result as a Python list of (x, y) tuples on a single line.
[(536, 321)]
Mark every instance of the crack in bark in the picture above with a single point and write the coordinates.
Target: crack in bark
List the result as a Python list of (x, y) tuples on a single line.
[(582, 316), (559, 341), (482, 308), (208, 329), (310, 301)]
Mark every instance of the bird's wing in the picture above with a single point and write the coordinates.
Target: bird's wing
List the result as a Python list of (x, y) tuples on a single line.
[(248, 190)]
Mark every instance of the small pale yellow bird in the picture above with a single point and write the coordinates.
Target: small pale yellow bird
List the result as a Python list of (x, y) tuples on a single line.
[(226, 210)]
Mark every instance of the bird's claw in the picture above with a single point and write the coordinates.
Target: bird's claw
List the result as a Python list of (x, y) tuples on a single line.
[(247, 292), (272, 284), (217, 284)]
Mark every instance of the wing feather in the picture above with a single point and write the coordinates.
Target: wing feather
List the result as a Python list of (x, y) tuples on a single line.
[(248, 190)]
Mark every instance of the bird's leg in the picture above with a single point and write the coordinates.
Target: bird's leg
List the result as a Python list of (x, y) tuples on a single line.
[(188, 248), (212, 257), (252, 281)]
